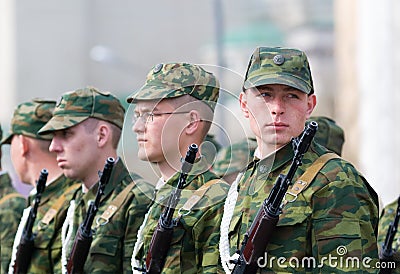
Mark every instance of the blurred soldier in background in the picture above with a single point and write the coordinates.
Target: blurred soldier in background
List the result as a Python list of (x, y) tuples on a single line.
[(11, 206), (337, 209), (230, 160), (86, 127), (29, 155), (175, 109), (387, 218)]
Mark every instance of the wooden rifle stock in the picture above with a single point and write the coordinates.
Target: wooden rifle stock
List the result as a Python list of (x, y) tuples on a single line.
[(259, 235), (162, 236), (386, 254), (84, 235), (26, 244)]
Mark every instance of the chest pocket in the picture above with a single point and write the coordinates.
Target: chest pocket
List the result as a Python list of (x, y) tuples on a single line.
[(107, 245)]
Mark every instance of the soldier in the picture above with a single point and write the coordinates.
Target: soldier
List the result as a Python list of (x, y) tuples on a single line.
[(29, 155), (387, 217), (11, 206), (335, 217), (230, 160), (86, 127), (174, 109), (329, 134)]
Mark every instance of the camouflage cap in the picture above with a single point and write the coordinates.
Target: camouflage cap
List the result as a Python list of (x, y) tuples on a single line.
[(329, 134), (81, 104), (284, 66), (176, 79), (29, 117), (234, 158)]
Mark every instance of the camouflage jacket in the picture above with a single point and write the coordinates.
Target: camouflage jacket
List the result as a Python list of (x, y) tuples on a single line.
[(113, 242), (387, 217), (10, 213), (333, 219), (194, 245), (46, 257)]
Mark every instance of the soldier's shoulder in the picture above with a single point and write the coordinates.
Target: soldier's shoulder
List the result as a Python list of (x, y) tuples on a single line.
[(141, 188)]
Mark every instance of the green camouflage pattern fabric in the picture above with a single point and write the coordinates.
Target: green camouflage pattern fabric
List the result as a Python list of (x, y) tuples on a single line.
[(113, 243), (387, 216), (284, 66), (335, 216), (194, 245), (46, 256), (234, 158), (76, 106), (176, 79), (10, 213), (29, 117), (329, 134)]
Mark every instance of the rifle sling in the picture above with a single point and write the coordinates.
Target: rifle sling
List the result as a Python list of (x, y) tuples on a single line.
[(308, 176), (114, 205), (9, 196), (197, 195), (52, 212)]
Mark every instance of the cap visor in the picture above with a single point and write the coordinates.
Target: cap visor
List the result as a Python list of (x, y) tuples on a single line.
[(7, 139), (280, 79), (61, 122)]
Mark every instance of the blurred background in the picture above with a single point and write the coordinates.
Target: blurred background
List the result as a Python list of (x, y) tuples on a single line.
[(48, 47)]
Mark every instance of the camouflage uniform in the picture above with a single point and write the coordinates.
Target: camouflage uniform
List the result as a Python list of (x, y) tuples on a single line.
[(113, 242), (335, 216), (28, 118), (329, 134), (11, 206), (194, 246), (387, 216), (234, 158)]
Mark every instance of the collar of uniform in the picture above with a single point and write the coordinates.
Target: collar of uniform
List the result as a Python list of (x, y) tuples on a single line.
[(275, 160)]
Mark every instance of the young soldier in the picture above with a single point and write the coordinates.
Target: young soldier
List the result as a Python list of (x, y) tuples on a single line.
[(29, 155), (86, 127), (334, 217), (12, 205), (174, 109)]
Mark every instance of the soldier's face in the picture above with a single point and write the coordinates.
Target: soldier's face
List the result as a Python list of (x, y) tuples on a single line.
[(276, 113), (157, 134), (76, 151)]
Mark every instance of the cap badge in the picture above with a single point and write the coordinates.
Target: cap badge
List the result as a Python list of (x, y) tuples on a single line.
[(279, 59), (157, 68)]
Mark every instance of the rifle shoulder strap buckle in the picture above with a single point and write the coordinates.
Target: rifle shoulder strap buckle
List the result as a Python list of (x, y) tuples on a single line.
[(196, 197), (308, 176), (52, 212), (114, 206)]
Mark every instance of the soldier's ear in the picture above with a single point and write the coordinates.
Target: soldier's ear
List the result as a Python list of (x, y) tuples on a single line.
[(23, 144), (194, 122), (243, 104), (103, 134)]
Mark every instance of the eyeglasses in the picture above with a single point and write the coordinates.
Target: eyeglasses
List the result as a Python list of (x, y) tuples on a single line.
[(149, 116)]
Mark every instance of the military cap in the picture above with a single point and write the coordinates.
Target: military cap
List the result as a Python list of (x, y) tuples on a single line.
[(284, 66), (81, 104), (176, 79), (234, 158), (29, 117), (329, 134)]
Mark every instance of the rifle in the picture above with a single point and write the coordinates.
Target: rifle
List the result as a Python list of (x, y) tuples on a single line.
[(259, 235), (162, 236), (386, 254), (84, 235), (26, 245)]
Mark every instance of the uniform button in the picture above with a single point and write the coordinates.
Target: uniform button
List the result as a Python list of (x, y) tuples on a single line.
[(263, 168)]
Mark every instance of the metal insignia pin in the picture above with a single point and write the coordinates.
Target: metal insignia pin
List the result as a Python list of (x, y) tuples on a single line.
[(157, 68), (279, 59)]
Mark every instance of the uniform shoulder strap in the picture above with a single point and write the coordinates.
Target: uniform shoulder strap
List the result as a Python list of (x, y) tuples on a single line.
[(114, 205), (52, 212), (308, 176), (9, 196), (197, 195)]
